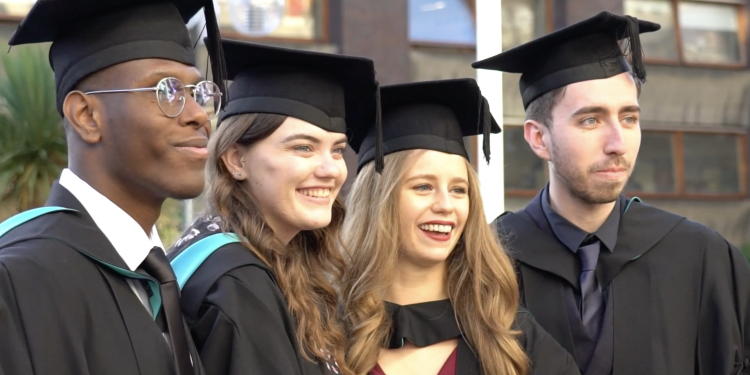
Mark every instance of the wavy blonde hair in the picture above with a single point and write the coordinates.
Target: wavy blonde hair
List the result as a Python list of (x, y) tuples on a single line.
[(305, 267), (480, 280)]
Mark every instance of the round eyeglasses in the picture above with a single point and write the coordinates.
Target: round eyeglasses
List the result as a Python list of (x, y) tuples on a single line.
[(170, 95)]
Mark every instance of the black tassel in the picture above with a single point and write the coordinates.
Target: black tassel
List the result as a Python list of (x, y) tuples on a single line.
[(379, 162), (486, 119), (636, 50), (215, 51)]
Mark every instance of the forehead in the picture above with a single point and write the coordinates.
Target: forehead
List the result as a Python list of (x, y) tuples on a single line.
[(439, 164), (142, 70), (613, 93), (293, 125)]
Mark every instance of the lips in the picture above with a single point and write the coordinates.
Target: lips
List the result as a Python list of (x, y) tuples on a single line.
[(437, 230), (194, 143)]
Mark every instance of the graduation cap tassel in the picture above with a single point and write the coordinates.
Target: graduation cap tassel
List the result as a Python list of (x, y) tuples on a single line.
[(379, 162), (215, 51), (486, 119), (636, 50)]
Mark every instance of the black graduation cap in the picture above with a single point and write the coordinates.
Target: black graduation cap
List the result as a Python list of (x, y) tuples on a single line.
[(584, 51), (335, 92), (90, 35), (432, 115)]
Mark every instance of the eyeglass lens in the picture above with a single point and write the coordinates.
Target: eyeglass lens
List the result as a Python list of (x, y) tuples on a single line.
[(170, 94)]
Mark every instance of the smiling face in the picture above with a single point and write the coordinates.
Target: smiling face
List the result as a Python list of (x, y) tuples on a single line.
[(433, 207), (147, 151), (594, 138), (295, 174)]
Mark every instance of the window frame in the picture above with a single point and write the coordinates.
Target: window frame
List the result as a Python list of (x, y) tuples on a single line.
[(679, 169), (742, 37)]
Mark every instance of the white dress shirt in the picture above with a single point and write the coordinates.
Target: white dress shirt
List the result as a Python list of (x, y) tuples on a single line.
[(126, 236)]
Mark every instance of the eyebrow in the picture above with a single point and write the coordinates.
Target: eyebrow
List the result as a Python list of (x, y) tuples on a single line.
[(433, 178), (309, 138), (590, 110)]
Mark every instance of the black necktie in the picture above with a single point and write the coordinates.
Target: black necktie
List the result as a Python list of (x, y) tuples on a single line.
[(591, 292), (157, 266)]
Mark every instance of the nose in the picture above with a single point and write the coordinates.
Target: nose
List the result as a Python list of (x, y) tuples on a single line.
[(615, 142), (443, 202), (329, 168), (194, 114)]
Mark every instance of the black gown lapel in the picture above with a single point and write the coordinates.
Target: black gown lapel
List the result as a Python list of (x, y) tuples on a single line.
[(146, 339), (466, 362), (528, 237), (145, 335), (641, 228)]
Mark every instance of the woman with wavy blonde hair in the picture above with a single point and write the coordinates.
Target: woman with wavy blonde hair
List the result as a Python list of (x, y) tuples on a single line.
[(256, 270), (427, 288)]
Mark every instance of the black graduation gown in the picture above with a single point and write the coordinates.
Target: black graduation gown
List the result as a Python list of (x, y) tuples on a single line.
[(237, 314), (64, 313), (429, 323), (680, 292)]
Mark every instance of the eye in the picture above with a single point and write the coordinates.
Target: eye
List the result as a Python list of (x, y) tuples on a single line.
[(423, 187), (631, 120), (339, 150), (460, 190), (303, 148), (589, 121)]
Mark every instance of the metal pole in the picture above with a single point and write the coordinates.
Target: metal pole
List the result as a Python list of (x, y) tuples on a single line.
[(490, 43)]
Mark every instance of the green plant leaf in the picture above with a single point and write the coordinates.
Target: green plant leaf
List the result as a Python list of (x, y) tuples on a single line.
[(32, 140)]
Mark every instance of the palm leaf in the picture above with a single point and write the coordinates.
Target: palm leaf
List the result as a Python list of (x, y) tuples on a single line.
[(32, 140)]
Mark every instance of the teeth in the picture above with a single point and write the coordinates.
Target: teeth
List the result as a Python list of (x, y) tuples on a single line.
[(316, 193), (436, 228)]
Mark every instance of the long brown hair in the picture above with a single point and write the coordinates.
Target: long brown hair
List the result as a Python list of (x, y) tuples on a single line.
[(305, 267), (480, 280)]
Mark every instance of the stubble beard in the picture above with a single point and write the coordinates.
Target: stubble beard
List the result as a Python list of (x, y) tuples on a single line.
[(579, 185)]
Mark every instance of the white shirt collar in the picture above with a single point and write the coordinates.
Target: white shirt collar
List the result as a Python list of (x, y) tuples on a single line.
[(127, 237)]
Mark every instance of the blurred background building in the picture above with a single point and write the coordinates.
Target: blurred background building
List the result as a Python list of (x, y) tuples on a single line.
[(695, 106)]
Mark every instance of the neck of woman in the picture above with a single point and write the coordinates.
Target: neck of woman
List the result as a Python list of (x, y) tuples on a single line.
[(414, 284)]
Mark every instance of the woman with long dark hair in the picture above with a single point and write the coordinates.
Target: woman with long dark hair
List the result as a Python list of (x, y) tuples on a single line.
[(256, 270), (428, 289)]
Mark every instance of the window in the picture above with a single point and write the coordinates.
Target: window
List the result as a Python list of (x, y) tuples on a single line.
[(654, 170), (525, 173), (693, 32), (690, 164), (523, 20), (277, 19), (453, 21), (441, 21)]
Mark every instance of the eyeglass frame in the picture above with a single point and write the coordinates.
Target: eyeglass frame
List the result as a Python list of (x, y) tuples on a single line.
[(156, 89)]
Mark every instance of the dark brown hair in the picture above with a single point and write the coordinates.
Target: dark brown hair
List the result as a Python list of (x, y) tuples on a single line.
[(305, 267)]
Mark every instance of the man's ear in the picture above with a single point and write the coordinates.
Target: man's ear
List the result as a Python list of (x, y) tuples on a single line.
[(81, 114), (537, 136), (235, 162)]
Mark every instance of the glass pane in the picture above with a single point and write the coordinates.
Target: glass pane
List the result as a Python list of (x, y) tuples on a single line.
[(654, 171), (293, 19), (660, 45), (523, 169), (523, 20), (711, 163), (709, 33), (441, 21)]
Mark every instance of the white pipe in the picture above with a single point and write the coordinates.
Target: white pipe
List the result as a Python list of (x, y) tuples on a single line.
[(490, 43)]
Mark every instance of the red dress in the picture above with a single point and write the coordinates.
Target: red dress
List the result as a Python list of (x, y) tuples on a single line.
[(449, 368)]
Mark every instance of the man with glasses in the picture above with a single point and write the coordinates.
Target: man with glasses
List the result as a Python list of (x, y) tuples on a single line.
[(85, 287)]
